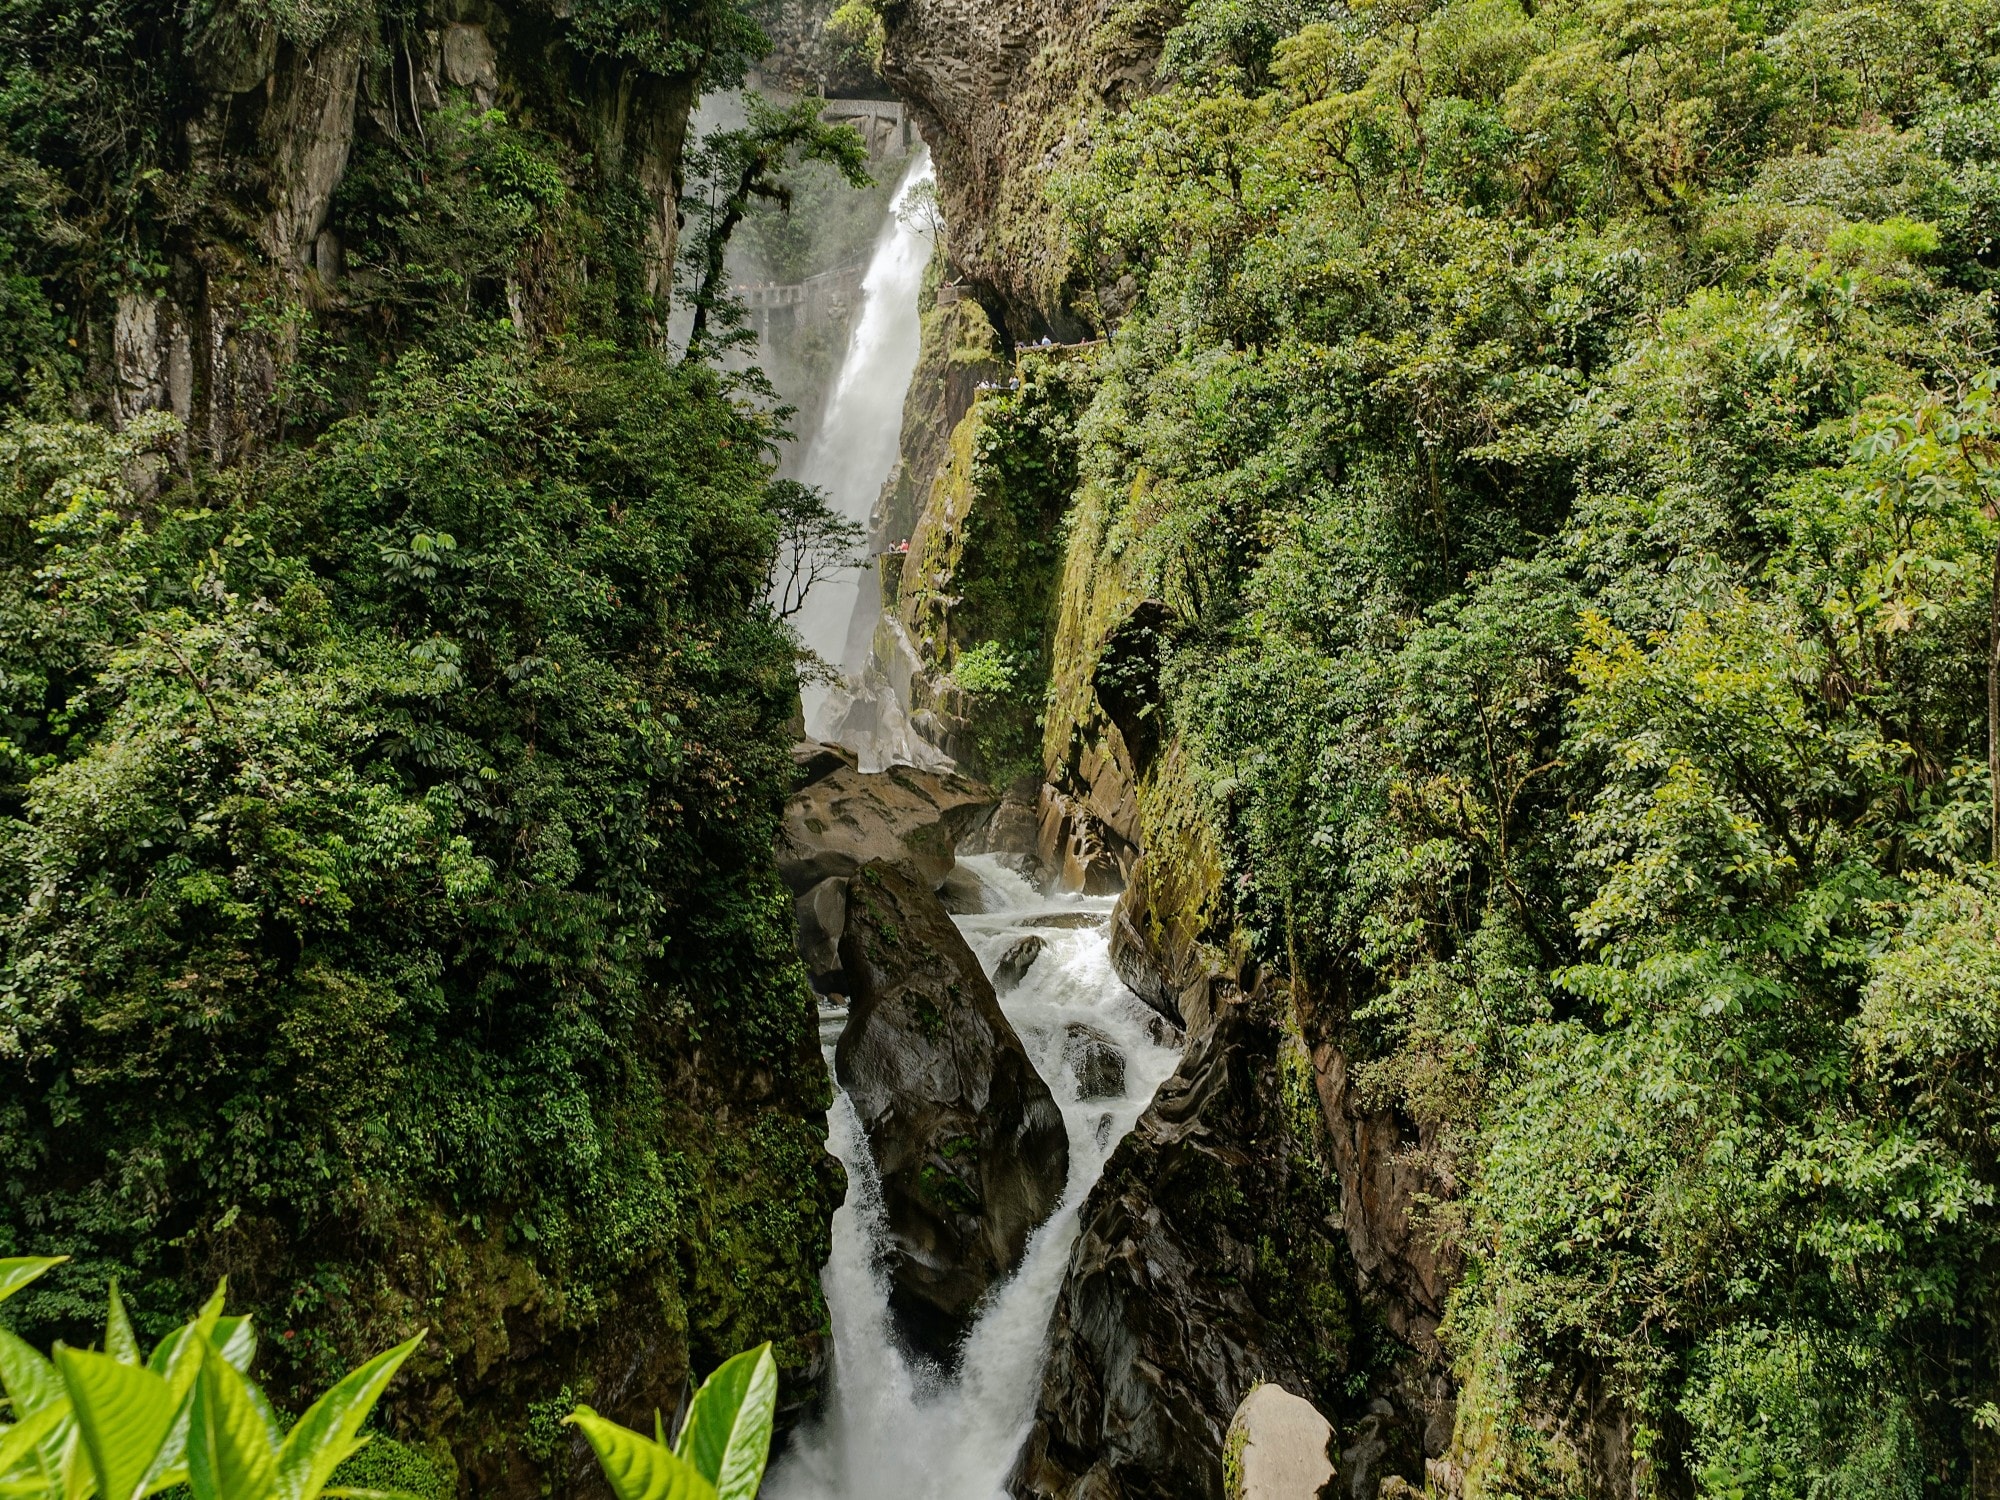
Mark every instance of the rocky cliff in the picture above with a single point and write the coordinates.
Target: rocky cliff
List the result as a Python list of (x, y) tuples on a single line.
[(1260, 1199), (1004, 94), (265, 232)]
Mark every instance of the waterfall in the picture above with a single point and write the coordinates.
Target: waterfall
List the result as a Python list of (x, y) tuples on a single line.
[(897, 1428), (855, 448)]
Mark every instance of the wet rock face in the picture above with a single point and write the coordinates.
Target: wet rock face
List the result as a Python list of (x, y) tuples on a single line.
[(1094, 1061), (967, 1138), (1012, 831), (1384, 1185), (1194, 1277), (843, 819), (820, 916), (1016, 961), (993, 87), (1160, 961)]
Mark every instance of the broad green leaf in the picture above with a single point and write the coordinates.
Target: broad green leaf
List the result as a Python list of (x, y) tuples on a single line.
[(728, 1432), (123, 1413), (162, 1357), (183, 1361), (79, 1480), (325, 1434), (22, 1446), (636, 1467), (119, 1340), (344, 1492), (17, 1271), (230, 1455), (235, 1339), (30, 1381)]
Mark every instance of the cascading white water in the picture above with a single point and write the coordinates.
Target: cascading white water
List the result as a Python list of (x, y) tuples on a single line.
[(897, 1430), (852, 453)]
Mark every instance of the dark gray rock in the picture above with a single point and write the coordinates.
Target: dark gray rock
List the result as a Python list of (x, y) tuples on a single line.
[(1206, 1262), (967, 1139), (1094, 1061), (841, 819), (1016, 961), (819, 917), (1011, 831), (963, 893)]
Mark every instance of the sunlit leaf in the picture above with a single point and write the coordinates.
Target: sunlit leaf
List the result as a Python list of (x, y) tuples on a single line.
[(29, 1380), (636, 1467), (123, 1415), (17, 1271), (230, 1455), (325, 1435), (30, 1452), (119, 1340), (728, 1432)]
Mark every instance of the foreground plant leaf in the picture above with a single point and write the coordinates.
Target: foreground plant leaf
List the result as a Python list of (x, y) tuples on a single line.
[(17, 1271), (124, 1414), (326, 1435), (636, 1467), (728, 1432)]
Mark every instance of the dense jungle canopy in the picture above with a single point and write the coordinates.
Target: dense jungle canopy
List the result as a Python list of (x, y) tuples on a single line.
[(1555, 449), (1564, 435)]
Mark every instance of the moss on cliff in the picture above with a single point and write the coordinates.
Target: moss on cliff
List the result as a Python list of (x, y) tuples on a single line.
[(979, 585)]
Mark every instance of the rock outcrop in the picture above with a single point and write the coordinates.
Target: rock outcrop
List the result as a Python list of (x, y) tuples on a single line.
[(843, 819), (967, 1139), (275, 110), (1384, 1186), (1094, 1062), (1002, 94), (1207, 1262), (1016, 961), (820, 915), (1279, 1448)]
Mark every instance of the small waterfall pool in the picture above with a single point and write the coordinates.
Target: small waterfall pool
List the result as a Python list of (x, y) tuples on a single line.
[(895, 1428)]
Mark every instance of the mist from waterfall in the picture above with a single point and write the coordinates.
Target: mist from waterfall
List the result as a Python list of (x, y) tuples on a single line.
[(851, 455)]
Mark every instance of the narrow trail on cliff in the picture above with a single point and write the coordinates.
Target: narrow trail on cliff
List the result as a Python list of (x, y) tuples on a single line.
[(855, 448), (897, 1427)]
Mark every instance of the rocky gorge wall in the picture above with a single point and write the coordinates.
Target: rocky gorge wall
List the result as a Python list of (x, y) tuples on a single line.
[(268, 124), (1004, 94), (1261, 1223)]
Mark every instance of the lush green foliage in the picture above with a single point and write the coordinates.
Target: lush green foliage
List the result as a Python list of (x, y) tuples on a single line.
[(116, 1422), (1560, 434), (392, 759), (722, 1447), (391, 816), (1009, 484)]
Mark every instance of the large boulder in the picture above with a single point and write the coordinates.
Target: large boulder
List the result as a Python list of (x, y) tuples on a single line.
[(1094, 1062), (842, 818), (967, 1139), (1279, 1448), (819, 916)]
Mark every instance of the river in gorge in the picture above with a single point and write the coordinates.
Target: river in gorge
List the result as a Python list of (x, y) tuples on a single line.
[(896, 1427)]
